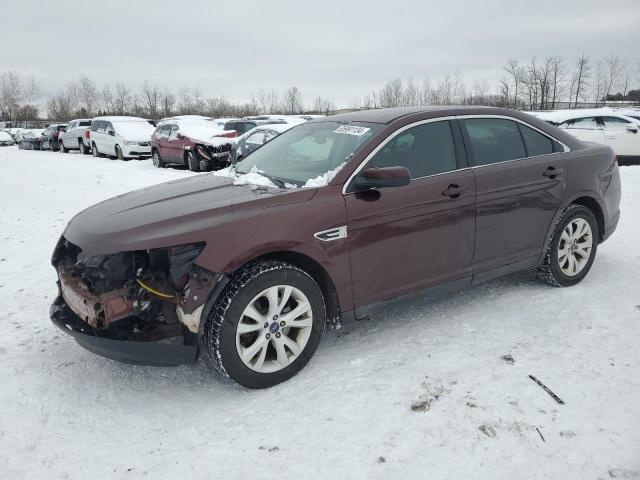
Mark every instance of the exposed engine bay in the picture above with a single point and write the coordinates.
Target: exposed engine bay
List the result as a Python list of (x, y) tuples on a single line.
[(213, 157), (143, 295)]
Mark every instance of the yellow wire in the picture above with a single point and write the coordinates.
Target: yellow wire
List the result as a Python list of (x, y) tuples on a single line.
[(155, 292)]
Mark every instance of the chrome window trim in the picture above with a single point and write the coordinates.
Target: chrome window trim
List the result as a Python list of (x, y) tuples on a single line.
[(392, 135)]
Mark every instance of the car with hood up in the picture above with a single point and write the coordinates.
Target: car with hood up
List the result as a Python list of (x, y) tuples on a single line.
[(121, 137), (195, 142), (328, 222)]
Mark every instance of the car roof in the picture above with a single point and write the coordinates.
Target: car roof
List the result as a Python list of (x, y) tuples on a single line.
[(121, 119), (388, 115)]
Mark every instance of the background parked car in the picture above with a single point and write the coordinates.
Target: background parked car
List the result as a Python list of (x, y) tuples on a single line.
[(49, 140), (75, 136), (121, 137), (257, 137), (195, 142), (6, 139), (244, 125), (600, 125), (30, 141)]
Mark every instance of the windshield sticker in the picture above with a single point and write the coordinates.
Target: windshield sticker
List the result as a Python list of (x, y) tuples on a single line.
[(352, 130)]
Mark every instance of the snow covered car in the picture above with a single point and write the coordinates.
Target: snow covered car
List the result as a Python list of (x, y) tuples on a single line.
[(255, 138), (6, 139), (602, 125), (30, 141), (121, 137), (49, 139), (195, 142), (241, 126), (75, 136), (330, 221)]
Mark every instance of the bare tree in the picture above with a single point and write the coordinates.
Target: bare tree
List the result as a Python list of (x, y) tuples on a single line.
[(60, 107), (87, 95), (168, 102), (557, 78), (122, 99), (614, 66), (293, 100), (31, 91), (323, 105), (10, 94), (581, 78)]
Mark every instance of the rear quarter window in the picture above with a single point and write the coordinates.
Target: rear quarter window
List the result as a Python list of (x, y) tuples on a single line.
[(536, 143), (494, 140)]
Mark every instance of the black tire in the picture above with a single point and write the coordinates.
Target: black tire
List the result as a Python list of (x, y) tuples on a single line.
[(192, 162), (94, 151), (157, 161), (119, 154), (83, 148), (550, 271), (219, 337), (51, 145), (61, 147)]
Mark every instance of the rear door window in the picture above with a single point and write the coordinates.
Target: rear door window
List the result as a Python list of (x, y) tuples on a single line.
[(536, 142), (493, 140), (425, 150), (86, 123)]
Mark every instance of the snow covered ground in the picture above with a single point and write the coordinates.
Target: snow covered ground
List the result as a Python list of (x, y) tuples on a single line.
[(462, 362)]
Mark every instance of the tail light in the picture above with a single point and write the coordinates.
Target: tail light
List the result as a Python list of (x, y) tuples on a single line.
[(87, 134)]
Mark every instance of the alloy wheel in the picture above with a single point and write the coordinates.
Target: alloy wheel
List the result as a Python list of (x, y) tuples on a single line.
[(575, 247), (274, 329)]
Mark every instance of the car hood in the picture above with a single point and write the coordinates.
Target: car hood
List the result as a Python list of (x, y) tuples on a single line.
[(174, 213)]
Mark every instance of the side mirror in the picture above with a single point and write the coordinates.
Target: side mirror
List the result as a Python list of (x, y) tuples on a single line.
[(382, 177), (632, 127), (112, 133)]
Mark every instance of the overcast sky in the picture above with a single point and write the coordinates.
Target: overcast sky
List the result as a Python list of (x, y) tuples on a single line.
[(338, 49)]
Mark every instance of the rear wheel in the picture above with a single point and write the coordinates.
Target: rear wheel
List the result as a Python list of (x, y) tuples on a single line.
[(83, 148), (572, 248), (192, 162), (266, 325)]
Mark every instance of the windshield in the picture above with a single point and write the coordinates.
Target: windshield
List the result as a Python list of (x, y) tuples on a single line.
[(308, 150)]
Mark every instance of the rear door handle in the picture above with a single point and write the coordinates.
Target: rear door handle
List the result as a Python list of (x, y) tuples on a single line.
[(454, 190), (552, 172)]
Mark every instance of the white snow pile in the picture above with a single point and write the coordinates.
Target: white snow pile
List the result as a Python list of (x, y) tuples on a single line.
[(253, 177), (256, 177), (324, 179)]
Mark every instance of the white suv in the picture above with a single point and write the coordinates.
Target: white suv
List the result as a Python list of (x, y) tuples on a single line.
[(121, 137)]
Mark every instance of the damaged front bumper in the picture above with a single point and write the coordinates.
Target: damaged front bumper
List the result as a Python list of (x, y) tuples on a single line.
[(143, 307), (182, 350)]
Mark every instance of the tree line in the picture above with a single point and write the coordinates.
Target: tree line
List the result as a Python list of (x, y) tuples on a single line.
[(538, 84)]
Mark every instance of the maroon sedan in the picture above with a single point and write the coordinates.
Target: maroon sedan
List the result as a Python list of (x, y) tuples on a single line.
[(197, 143), (329, 221)]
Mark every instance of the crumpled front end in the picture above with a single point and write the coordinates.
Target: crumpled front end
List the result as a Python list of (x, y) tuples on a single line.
[(141, 306)]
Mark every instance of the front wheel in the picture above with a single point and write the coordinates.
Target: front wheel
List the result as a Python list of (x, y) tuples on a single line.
[(572, 248), (119, 154), (266, 325), (157, 161), (61, 147), (192, 162)]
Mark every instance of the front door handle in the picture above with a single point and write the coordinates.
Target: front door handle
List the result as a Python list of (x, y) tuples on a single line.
[(454, 190), (552, 172)]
